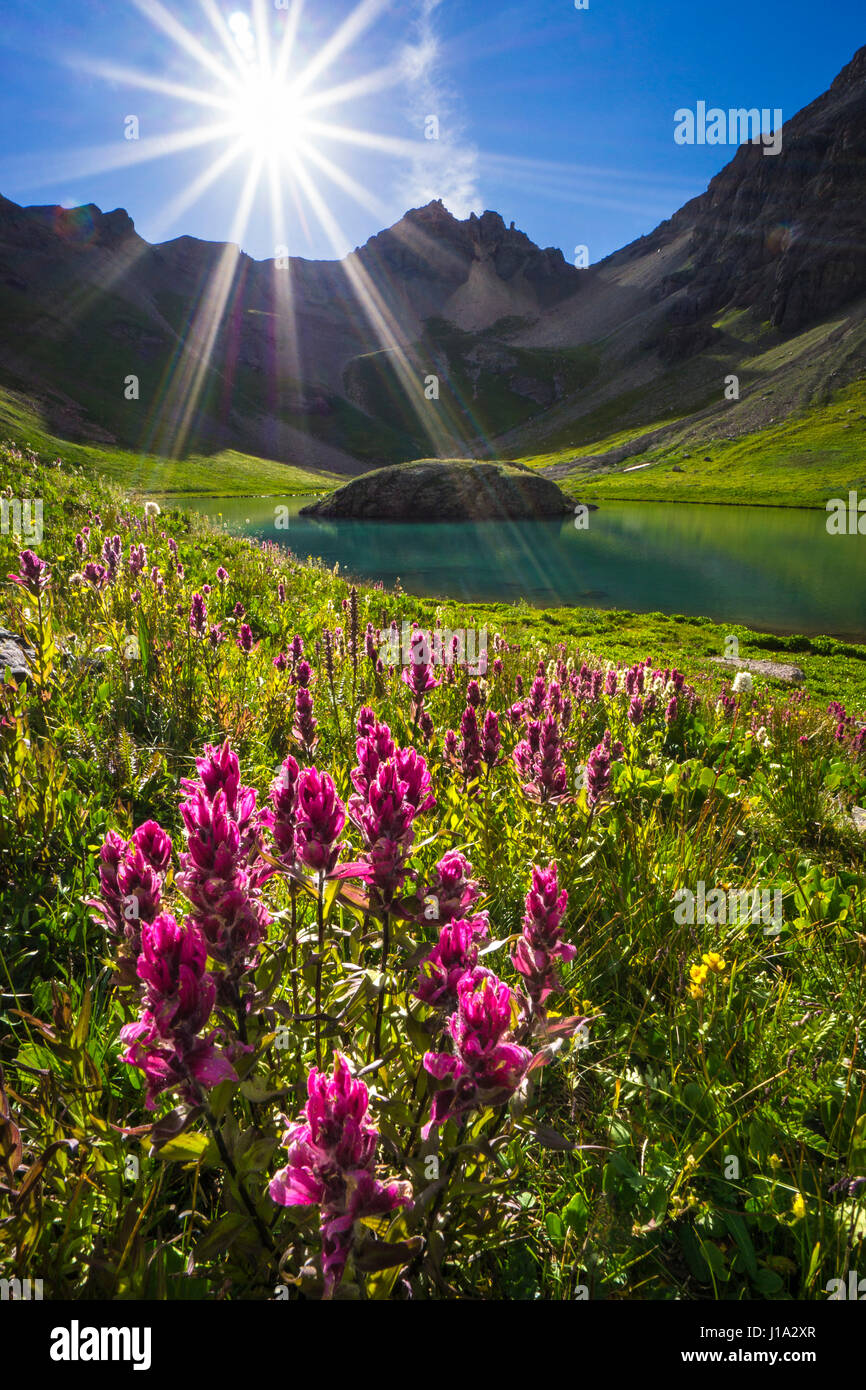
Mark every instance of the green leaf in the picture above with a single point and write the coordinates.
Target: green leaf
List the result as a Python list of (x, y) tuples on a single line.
[(186, 1148), (694, 1255), (739, 1233), (768, 1283), (83, 1023), (555, 1228), (576, 1215), (219, 1237), (143, 643)]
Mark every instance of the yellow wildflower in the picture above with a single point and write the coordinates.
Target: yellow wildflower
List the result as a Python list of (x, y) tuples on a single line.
[(713, 961), (698, 974), (799, 1206)]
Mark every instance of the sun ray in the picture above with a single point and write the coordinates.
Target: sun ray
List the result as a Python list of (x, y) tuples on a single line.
[(163, 19), (356, 190), (185, 386), (364, 14), (287, 44), (380, 80), (149, 82), (268, 107), (190, 195), (366, 139), (549, 168), (409, 369), (264, 52), (220, 25), (100, 159), (89, 294), (286, 347)]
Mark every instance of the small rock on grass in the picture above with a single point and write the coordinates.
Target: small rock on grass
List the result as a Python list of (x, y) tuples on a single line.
[(773, 670), (15, 655)]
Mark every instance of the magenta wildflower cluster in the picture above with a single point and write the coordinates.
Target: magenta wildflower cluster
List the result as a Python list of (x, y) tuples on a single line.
[(331, 1165)]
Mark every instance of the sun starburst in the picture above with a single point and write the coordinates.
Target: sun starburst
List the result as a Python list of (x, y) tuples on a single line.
[(262, 108)]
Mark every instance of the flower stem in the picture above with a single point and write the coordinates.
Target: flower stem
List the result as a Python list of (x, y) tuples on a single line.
[(321, 922), (294, 897), (233, 1173), (386, 943)]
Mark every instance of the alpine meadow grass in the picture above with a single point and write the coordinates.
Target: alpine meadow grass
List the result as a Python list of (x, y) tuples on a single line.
[(333, 968)]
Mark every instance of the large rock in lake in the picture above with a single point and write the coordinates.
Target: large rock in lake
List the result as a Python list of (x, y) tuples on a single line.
[(446, 490)]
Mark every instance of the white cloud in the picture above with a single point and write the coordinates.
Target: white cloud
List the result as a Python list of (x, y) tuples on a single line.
[(446, 168)]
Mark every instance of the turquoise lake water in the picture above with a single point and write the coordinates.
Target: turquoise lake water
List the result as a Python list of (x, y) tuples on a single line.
[(771, 568)]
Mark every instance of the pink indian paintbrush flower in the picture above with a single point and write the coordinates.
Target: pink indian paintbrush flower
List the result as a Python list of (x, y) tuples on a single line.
[(167, 1043), (541, 944), (450, 747), (374, 747), (538, 759), (137, 559), (452, 890), (635, 678), (131, 877), (455, 952), (219, 769), (537, 698), (284, 799), (470, 745), (491, 739), (418, 675), (112, 553), (486, 1067), (95, 575), (331, 1165), (597, 774), (365, 722), (198, 615), (413, 771), (217, 880), (320, 819), (598, 768), (392, 786), (384, 817), (222, 870), (154, 844), (305, 723)]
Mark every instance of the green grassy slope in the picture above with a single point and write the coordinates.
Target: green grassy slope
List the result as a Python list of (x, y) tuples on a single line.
[(801, 461), (227, 474)]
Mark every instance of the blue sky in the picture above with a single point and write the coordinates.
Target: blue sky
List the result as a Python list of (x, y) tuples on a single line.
[(560, 119)]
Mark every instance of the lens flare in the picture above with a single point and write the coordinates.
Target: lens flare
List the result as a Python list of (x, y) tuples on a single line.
[(268, 116)]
